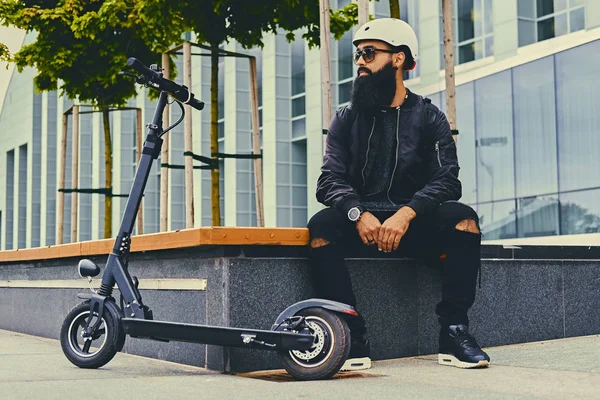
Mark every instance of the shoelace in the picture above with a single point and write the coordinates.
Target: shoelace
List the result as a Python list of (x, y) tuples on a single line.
[(466, 340)]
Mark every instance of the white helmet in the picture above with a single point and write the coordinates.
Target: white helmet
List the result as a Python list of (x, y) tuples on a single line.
[(392, 31)]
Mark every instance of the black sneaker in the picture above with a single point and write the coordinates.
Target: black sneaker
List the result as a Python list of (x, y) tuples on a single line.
[(459, 349), (360, 355)]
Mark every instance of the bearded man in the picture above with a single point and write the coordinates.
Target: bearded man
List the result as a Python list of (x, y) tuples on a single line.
[(390, 180)]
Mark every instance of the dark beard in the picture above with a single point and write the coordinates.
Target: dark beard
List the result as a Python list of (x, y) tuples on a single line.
[(377, 89)]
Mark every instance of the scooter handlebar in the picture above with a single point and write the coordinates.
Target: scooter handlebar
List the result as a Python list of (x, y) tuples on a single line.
[(141, 68), (156, 80)]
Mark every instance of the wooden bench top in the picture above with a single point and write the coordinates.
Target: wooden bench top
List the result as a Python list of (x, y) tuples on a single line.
[(209, 236)]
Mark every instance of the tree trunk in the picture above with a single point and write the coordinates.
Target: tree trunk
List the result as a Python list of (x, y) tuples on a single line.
[(108, 174), (449, 61), (394, 9), (214, 134)]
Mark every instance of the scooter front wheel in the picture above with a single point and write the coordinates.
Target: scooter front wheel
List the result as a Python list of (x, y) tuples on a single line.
[(101, 347), (330, 349)]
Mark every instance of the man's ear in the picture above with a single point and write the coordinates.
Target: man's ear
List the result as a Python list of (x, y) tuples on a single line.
[(399, 59)]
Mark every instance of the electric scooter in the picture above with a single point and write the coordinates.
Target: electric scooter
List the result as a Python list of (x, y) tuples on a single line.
[(311, 337)]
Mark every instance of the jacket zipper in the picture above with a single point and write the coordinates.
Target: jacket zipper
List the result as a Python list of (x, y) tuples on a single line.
[(396, 164), (437, 151), (367, 157)]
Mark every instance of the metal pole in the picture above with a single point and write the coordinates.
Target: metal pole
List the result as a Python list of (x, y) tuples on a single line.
[(187, 134), (139, 133), (363, 12), (164, 159), (325, 66), (449, 59), (75, 174), (258, 178), (60, 218)]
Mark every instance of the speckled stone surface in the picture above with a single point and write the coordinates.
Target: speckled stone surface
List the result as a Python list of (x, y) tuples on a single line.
[(520, 301), (174, 306), (582, 298), (387, 296), (259, 290), (37, 312), (23, 311)]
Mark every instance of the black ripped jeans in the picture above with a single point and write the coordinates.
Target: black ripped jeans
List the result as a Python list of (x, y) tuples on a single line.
[(427, 238)]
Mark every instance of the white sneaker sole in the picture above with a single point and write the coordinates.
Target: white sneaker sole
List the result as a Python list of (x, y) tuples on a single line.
[(450, 360), (356, 364)]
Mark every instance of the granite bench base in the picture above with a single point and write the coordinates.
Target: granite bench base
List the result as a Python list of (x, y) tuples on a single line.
[(528, 294)]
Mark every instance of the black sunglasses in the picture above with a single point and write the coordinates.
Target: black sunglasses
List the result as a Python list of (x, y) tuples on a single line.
[(368, 54)]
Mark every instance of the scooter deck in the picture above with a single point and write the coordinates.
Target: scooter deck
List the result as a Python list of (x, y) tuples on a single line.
[(220, 336)]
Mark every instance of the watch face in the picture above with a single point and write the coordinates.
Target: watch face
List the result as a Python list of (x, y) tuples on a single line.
[(353, 214)]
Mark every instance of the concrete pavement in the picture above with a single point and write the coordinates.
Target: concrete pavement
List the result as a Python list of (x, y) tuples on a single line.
[(35, 368)]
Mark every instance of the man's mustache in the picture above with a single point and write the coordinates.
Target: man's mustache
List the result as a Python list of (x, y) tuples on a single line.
[(367, 70)]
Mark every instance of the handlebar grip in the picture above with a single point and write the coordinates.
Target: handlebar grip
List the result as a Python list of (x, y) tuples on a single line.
[(179, 92), (140, 67), (197, 104)]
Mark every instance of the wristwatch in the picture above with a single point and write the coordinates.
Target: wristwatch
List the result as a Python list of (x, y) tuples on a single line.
[(354, 213)]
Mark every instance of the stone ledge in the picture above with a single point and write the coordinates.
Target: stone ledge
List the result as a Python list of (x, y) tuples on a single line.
[(521, 300)]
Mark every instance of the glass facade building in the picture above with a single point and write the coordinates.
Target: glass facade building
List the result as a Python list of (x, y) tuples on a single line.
[(529, 146), (527, 100)]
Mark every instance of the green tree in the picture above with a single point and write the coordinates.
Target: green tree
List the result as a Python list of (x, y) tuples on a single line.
[(80, 66), (215, 22), (4, 53), (83, 44)]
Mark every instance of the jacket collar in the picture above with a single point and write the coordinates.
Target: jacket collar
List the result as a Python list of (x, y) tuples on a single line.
[(410, 102)]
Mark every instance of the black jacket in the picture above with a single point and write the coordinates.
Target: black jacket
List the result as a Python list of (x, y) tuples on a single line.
[(426, 169)]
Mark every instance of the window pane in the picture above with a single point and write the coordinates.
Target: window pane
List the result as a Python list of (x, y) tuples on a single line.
[(222, 129), (465, 117), (345, 65), (535, 128), (552, 27), (488, 13), (538, 216), (466, 53), (299, 128), (495, 159), (578, 119), (477, 16), (526, 32), (526, 8), (574, 3), (299, 217), (466, 24), (297, 66), (479, 49), (546, 7), (299, 106), (498, 220), (577, 19), (221, 88), (345, 91), (580, 212), (561, 26), (489, 46)]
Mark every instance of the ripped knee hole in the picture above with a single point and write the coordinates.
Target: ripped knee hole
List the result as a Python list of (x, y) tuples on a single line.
[(468, 225), (318, 242)]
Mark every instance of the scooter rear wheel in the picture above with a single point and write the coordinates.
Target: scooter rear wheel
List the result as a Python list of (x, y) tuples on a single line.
[(96, 351), (330, 349)]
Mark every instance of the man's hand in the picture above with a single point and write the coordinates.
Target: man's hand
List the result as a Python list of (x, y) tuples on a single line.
[(394, 228), (368, 228)]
